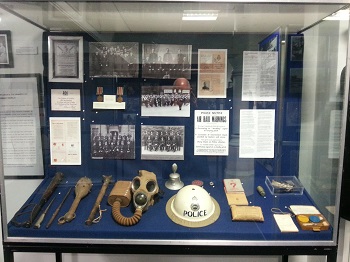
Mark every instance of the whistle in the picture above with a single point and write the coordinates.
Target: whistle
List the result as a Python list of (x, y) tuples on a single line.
[(82, 188), (261, 191)]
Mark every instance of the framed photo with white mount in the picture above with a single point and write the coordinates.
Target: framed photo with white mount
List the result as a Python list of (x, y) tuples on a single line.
[(6, 57), (66, 59)]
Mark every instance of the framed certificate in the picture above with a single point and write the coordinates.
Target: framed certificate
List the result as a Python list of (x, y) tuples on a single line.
[(6, 58), (66, 59)]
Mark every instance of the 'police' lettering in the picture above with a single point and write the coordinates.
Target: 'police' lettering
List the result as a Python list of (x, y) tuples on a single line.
[(200, 213)]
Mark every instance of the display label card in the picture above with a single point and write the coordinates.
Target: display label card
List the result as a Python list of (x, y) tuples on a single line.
[(257, 138), (65, 100), (211, 132), (259, 82), (304, 209), (285, 223), (65, 141)]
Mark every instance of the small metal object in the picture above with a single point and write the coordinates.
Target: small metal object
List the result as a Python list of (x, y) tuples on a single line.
[(174, 182), (261, 191), (58, 209), (42, 216)]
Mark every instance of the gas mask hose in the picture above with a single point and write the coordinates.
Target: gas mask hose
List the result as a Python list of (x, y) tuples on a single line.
[(122, 220)]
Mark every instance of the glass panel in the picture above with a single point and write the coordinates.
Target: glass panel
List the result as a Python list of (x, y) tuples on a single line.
[(247, 104)]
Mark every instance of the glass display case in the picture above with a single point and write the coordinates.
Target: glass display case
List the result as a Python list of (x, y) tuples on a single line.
[(173, 123)]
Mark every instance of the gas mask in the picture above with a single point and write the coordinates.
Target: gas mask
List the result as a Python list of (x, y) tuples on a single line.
[(143, 189)]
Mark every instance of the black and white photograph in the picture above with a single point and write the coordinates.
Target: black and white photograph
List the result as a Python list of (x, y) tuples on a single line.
[(113, 141), (6, 57), (114, 59), (297, 48), (296, 80), (66, 59), (162, 61), (165, 101), (162, 142)]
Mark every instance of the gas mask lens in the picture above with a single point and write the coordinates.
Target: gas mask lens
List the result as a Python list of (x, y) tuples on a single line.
[(135, 184), (151, 186), (140, 199)]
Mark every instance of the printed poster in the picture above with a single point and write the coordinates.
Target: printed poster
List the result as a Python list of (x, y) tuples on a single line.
[(211, 132), (65, 141), (212, 73)]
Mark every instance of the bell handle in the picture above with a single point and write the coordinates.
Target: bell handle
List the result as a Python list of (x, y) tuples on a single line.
[(174, 167)]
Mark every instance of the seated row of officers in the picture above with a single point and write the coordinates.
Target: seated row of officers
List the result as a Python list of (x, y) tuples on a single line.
[(113, 146), (163, 141), (123, 62)]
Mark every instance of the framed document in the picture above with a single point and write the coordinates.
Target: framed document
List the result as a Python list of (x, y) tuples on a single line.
[(66, 59), (6, 58), (20, 105)]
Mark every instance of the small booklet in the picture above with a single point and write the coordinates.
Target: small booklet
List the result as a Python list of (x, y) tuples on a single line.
[(238, 199), (247, 213), (233, 185), (285, 223)]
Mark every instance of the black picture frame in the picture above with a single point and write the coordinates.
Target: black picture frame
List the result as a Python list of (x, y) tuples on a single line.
[(6, 56)]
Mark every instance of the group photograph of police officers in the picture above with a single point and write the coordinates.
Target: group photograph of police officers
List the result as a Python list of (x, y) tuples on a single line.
[(166, 61), (121, 59), (165, 101), (162, 142), (113, 141), (114, 59)]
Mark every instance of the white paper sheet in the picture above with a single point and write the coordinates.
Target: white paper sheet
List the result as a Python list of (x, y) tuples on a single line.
[(65, 141), (20, 126), (211, 132), (256, 139), (259, 82), (304, 210), (285, 223), (65, 99)]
